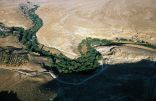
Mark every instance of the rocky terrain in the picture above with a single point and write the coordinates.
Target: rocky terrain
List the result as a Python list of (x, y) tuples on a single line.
[(65, 24), (126, 54)]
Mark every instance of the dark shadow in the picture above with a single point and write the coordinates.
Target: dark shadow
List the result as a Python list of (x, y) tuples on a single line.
[(120, 82), (154, 99), (57, 99), (8, 96), (52, 85)]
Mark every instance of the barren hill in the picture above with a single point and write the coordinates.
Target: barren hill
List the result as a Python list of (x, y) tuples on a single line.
[(67, 22), (10, 14)]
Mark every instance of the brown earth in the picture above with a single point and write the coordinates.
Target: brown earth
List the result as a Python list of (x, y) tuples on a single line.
[(10, 41), (10, 14), (84, 49), (27, 88), (66, 23), (126, 54)]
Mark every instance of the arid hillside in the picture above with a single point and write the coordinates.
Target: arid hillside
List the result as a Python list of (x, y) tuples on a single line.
[(33, 66), (67, 22), (126, 54), (10, 14), (27, 88)]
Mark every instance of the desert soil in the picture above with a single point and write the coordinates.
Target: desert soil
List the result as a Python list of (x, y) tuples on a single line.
[(126, 54), (66, 23), (10, 14), (27, 88)]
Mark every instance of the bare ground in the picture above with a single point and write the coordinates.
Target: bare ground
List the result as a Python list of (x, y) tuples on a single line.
[(10, 41), (66, 23), (27, 88), (10, 14), (126, 54)]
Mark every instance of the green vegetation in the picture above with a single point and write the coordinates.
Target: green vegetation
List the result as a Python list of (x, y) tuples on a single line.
[(99, 42), (136, 42), (7, 57), (146, 44), (87, 62), (63, 64), (4, 32)]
